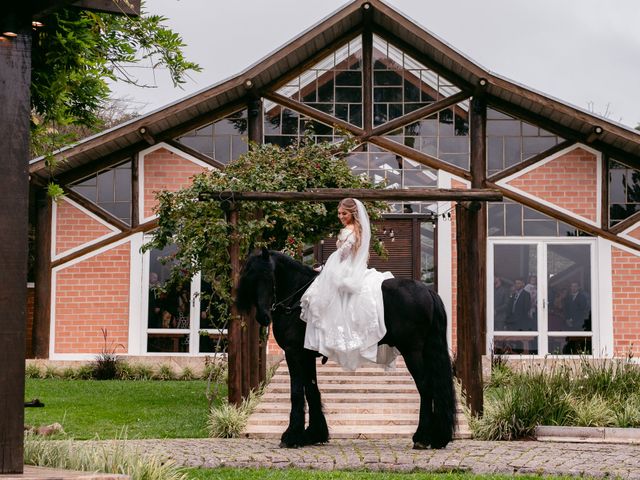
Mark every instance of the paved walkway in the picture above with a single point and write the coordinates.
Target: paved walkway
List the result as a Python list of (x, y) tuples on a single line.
[(575, 459)]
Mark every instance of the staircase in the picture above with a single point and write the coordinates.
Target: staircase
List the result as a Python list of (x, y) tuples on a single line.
[(369, 403)]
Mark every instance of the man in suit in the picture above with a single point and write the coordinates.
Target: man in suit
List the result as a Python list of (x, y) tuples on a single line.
[(519, 308), (577, 310)]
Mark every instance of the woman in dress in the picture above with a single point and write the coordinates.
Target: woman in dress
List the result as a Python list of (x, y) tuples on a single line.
[(343, 307)]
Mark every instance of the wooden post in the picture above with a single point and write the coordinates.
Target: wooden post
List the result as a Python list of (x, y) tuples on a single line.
[(471, 233), (469, 348), (42, 302), (367, 71), (15, 78), (234, 348), (256, 369)]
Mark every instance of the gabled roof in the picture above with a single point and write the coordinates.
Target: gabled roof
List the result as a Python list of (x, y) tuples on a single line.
[(205, 105)]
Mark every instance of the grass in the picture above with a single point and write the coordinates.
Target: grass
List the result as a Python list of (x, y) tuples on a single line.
[(116, 408), (298, 474), (583, 393)]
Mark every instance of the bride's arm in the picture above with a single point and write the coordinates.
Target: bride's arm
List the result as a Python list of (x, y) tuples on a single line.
[(345, 247)]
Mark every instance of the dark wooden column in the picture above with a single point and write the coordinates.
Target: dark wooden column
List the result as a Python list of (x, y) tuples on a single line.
[(135, 190), (15, 78), (42, 305), (234, 348), (471, 233), (367, 70), (257, 351)]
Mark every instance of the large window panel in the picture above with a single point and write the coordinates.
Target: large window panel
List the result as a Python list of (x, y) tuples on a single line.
[(333, 85), (511, 141), (110, 189), (624, 191), (223, 140)]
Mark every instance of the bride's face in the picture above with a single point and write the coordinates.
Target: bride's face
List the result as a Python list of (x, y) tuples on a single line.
[(344, 216)]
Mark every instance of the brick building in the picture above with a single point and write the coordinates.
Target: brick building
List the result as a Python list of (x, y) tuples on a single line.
[(568, 231)]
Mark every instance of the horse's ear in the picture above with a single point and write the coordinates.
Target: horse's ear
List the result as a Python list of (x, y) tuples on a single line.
[(265, 253)]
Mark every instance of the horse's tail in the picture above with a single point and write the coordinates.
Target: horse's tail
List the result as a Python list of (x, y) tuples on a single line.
[(440, 376)]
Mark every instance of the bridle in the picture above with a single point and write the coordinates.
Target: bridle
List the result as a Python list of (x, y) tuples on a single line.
[(287, 309)]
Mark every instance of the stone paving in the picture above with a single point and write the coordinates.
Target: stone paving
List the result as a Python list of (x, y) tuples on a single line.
[(517, 457)]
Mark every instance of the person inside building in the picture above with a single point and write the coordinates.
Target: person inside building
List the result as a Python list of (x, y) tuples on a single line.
[(519, 308), (577, 309), (500, 303), (343, 306)]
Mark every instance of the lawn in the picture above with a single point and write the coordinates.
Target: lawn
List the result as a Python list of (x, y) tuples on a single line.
[(121, 408), (296, 474)]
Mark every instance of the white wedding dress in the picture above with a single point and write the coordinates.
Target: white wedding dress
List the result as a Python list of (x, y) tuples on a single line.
[(343, 306)]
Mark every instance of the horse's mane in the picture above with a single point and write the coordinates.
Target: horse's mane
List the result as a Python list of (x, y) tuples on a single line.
[(290, 263)]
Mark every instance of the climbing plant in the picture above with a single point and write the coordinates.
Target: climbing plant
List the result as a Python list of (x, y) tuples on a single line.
[(194, 218)]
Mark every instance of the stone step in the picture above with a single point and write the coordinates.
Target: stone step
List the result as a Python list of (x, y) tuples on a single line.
[(354, 388), (342, 397), (335, 419), (349, 432), (329, 379), (380, 408)]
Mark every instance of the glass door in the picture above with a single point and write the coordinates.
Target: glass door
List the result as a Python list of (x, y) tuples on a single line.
[(540, 299)]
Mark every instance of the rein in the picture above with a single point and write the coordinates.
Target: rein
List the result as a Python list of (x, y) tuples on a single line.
[(287, 309)]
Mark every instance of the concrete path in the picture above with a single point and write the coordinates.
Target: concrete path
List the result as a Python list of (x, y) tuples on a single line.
[(550, 458)]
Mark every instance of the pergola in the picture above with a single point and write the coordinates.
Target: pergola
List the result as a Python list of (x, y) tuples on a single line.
[(15, 78), (243, 350)]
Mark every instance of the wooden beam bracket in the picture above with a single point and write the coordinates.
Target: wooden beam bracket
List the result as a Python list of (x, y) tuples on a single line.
[(146, 135)]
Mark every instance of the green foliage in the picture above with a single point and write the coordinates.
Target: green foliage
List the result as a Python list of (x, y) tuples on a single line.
[(586, 393), (111, 457), (187, 374), (105, 366), (77, 52), (194, 218), (32, 371), (165, 372)]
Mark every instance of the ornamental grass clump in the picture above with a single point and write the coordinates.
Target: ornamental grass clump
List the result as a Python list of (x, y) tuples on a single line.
[(107, 457), (584, 393)]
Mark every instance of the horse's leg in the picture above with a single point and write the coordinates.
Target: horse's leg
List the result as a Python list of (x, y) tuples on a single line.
[(414, 360), (293, 436), (317, 431)]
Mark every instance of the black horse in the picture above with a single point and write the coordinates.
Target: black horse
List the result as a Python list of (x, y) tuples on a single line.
[(416, 325)]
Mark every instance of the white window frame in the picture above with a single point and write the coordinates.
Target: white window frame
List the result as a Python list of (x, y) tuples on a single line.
[(193, 331), (600, 341)]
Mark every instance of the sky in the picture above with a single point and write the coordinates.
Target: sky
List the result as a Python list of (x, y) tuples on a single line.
[(583, 52)]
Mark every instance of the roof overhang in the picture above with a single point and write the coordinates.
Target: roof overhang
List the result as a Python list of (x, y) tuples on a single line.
[(203, 106)]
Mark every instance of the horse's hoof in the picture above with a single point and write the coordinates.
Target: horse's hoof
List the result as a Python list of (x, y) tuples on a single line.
[(420, 446), (286, 445)]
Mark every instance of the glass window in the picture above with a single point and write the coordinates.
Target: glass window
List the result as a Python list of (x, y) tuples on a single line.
[(511, 141), (624, 191), (514, 220), (401, 84), (333, 85), (284, 127), (110, 189), (180, 317), (223, 140)]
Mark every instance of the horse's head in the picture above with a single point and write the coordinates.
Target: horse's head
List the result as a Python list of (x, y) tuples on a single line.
[(256, 286)]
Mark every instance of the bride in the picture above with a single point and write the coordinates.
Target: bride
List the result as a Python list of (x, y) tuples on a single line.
[(343, 307)]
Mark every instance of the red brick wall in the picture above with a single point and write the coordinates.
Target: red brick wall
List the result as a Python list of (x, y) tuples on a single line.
[(74, 227), (454, 270), (635, 233), (91, 295), (569, 181), (164, 170), (626, 302)]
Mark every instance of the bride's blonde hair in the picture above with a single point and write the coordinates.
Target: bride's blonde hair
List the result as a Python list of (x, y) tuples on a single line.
[(350, 206)]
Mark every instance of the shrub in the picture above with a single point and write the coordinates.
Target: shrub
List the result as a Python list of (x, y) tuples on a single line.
[(85, 372), (593, 412), (32, 371), (628, 412), (142, 371), (105, 366), (165, 372), (228, 421), (125, 371), (187, 374), (50, 372), (69, 373)]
